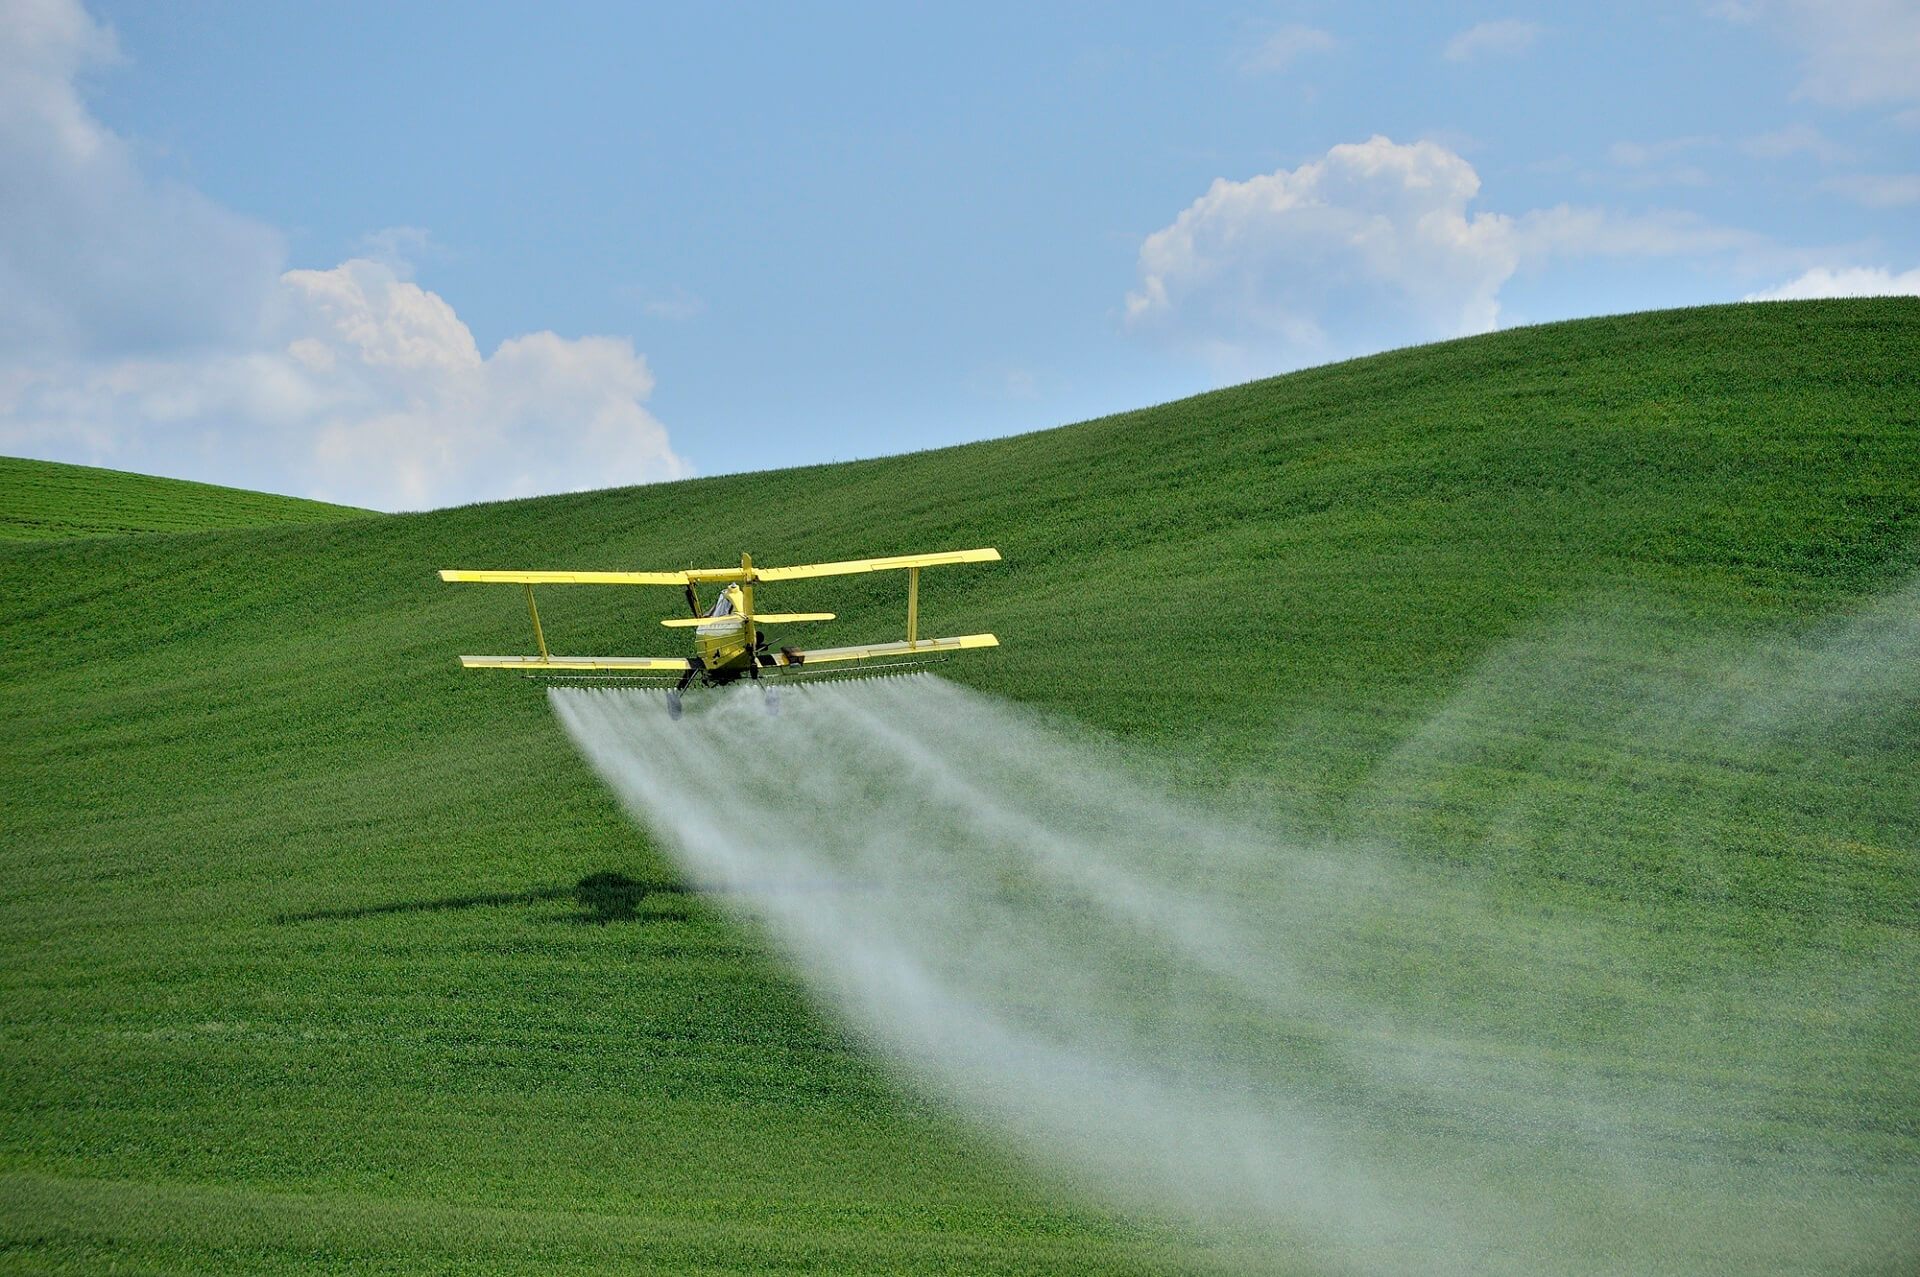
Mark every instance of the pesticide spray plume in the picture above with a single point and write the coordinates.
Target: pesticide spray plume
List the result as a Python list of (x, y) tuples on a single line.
[(1339, 1053)]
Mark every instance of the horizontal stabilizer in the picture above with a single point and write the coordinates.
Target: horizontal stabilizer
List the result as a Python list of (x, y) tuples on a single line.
[(683, 622), (537, 665), (822, 655)]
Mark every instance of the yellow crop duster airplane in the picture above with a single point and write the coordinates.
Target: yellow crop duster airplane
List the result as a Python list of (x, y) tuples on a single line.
[(728, 643)]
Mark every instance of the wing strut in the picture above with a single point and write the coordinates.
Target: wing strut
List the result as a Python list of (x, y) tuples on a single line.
[(534, 612), (746, 618), (913, 605)]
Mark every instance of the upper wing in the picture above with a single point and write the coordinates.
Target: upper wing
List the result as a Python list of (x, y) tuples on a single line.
[(566, 578), (845, 567), (849, 566)]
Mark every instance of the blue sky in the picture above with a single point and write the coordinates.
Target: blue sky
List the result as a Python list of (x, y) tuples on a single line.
[(413, 255)]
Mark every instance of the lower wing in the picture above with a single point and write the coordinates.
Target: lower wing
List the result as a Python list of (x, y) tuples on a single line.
[(823, 655), (576, 663), (661, 664)]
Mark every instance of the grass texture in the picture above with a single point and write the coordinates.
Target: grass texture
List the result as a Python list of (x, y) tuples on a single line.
[(46, 500), (320, 954)]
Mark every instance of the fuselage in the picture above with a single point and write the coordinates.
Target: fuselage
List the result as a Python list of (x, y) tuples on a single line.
[(722, 644)]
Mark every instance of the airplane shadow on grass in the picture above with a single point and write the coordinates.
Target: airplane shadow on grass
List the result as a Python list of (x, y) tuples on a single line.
[(600, 898)]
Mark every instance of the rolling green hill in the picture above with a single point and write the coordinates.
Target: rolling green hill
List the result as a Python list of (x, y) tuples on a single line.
[(44, 500), (319, 954)]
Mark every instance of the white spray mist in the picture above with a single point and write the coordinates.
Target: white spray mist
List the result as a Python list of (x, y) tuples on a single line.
[(1340, 1057)]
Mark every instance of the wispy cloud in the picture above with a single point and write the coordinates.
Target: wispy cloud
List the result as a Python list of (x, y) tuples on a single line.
[(1859, 51), (677, 306), (1856, 52), (1796, 139), (96, 258), (1876, 190), (1648, 164), (1644, 154), (1277, 49), (1504, 37), (400, 248), (1567, 231)]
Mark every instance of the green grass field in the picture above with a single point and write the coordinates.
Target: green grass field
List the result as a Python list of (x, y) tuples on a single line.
[(45, 500), (319, 954)]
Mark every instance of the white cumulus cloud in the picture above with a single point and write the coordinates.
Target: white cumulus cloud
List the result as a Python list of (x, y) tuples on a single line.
[(1299, 259), (1843, 281), (361, 387), (1372, 246), (144, 327)]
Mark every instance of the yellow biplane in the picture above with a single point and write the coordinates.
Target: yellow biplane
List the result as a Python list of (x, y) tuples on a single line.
[(728, 641)]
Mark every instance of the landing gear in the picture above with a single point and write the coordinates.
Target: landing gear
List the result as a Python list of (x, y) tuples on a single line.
[(756, 657), (673, 693)]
